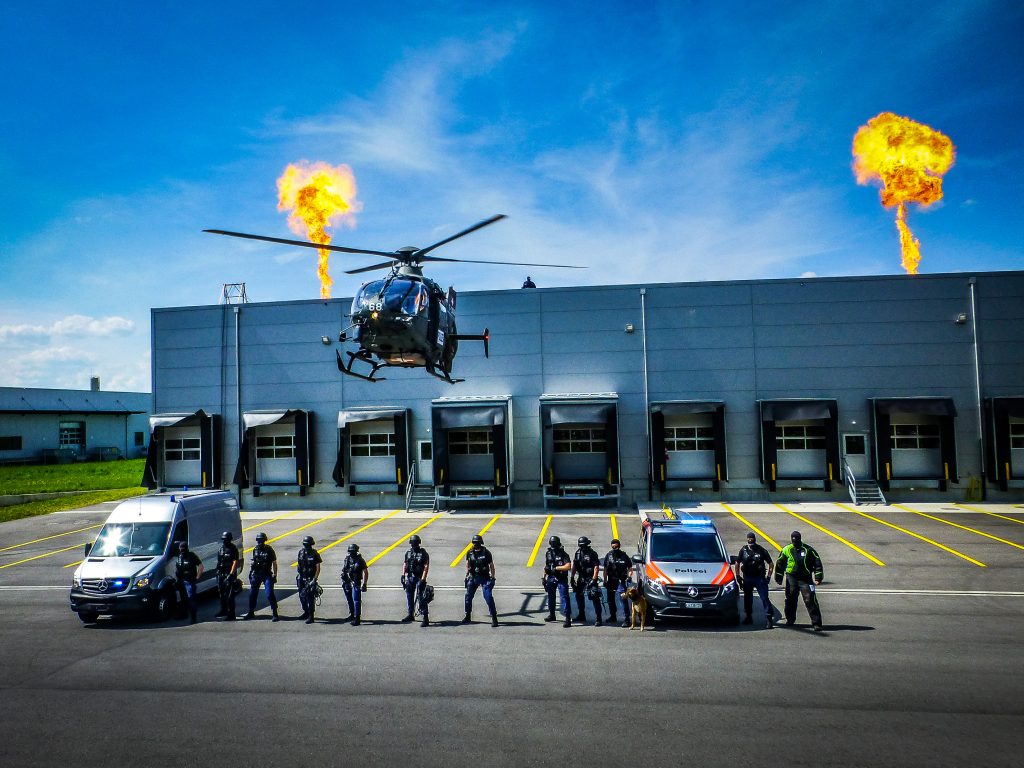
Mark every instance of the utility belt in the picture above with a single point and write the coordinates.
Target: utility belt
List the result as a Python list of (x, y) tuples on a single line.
[(259, 575)]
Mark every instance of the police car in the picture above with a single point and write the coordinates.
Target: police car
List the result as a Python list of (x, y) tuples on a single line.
[(683, 568)]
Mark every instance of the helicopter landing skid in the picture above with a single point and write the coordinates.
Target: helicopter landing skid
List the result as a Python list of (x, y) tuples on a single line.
[(352, 357), (444, 375)]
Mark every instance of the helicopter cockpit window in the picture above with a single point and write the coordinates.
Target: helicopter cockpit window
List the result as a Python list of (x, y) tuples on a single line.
[(408, 297)]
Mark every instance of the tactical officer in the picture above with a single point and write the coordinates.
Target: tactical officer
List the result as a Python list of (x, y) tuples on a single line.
[(803, 571), (262, 572), (355, 573), (306, 578), (414, 577), (557, 565), (585, 567), (480, 573), (227, 567), (188, 568), (753, 570), (618, 569)]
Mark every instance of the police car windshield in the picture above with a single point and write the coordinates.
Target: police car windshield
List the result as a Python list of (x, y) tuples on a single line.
[(686, 547), (128, 539)]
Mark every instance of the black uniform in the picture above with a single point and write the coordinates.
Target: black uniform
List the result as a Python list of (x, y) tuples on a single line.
[(479, 577), (753, 561), (583, 564), (226, 558), (261, 575), (616, 573), (352, 571), (416, 562), (186, 571), (305, 579), (557, 582)]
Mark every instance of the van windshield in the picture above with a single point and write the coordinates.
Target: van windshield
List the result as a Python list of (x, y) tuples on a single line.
[(686, 547), (127, 539)]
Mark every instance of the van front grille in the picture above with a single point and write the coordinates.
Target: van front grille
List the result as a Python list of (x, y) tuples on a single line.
[(106, 586), (680, 594)]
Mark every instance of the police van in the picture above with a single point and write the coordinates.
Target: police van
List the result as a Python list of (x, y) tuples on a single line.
[(683, 568), (130, 566)]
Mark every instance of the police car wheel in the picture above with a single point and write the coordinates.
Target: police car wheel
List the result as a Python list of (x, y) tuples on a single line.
[(166, 605), (88, 618)]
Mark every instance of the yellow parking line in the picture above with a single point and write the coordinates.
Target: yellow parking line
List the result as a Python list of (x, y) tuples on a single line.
[(300, 528), (72, 565), (481, 532), (55, 536), (45, 554), (911, 533), (615, 527), (751, 526), (540, 538), (347, 536), (974, 509), (383, 552), (961, 527), (835, 536), (271, 520)]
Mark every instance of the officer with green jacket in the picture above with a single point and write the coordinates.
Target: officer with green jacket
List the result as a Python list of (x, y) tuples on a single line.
[(801, 567)]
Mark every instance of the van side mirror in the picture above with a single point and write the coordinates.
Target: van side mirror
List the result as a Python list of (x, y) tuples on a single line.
[(733, 559), (88, 548), (638, 559)]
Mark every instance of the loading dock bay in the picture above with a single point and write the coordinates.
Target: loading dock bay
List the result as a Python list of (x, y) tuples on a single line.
[(919, 664)]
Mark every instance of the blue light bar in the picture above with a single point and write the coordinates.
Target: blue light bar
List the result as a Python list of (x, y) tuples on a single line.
[(694, 520)]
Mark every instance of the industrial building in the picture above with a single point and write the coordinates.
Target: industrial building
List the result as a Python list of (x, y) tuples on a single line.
[(63, 425), (879, 386)]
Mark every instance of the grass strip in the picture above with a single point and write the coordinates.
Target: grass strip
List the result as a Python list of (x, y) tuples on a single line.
[(79, 500), (87, 476)]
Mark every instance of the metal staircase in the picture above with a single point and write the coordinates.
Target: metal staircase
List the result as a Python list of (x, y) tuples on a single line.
[(865, 491), (419, 496)]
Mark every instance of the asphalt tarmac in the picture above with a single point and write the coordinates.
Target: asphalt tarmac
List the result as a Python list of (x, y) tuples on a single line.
[(919, 663)]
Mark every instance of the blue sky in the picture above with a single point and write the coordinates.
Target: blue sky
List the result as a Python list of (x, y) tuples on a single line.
[(650, 141)]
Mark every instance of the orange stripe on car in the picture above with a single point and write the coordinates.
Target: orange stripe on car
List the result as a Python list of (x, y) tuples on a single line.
[(655, 573), (724, 576)]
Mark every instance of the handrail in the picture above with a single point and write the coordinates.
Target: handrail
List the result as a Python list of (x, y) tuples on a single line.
[(410, 484), (851, 481)]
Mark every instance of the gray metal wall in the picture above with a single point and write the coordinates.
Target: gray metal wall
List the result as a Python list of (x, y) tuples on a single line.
[(844, 338)]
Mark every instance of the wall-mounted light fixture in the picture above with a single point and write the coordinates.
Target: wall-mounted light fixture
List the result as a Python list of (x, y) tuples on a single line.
[(325, 340), (629, 328), (961, 318)]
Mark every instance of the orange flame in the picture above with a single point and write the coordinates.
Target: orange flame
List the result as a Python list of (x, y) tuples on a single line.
[(316, 196), (909, 159)]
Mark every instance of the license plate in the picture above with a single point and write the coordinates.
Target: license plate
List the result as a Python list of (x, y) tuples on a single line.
[(693, 605)]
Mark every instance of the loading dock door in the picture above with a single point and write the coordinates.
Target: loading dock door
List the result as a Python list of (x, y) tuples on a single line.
[(276, 450), (1004, 432), (580, 444), (915, 439), (184, 449), (373, 447), (470, 446), (799, 441), (688, 442)]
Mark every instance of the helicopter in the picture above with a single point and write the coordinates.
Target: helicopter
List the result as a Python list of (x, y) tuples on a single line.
[(404, 320)]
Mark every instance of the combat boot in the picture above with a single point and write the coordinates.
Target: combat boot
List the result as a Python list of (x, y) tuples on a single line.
[(494, 620), (408, 618), (551, 616), (249, 615), (467, 618), (567, 623), (425, 622)]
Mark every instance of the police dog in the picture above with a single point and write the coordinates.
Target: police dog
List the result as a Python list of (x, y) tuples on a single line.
[(638, 607)]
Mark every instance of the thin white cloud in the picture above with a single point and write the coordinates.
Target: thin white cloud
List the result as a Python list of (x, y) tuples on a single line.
[(72, 325)]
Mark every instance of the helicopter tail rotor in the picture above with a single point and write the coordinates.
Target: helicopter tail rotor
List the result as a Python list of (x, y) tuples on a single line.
[(485, 337)]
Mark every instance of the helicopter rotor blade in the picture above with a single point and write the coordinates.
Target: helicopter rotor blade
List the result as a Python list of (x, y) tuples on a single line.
[(372, 267), (510, 263), (479, 225), (302, 243)]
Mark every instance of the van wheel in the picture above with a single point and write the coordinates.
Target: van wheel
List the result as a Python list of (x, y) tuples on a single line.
[(166, 605), (87, 617)]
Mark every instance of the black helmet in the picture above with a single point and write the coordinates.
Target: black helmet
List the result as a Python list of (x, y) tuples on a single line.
[(555, 543), (227, 536), (583, 541), (182, 546), (307, 541), (414, 541), (478, 540), (261, 537), (353, 548)]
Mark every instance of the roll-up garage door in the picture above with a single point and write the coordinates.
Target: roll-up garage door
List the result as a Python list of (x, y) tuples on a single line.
[(799, 441), (1004, 427), (688, 442), (915, 439), (470, 446), (276, 450), (184, 450), (373, 448), (580, 443)]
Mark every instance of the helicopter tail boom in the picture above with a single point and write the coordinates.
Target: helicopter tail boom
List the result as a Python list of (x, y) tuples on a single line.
[(485, 337)]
